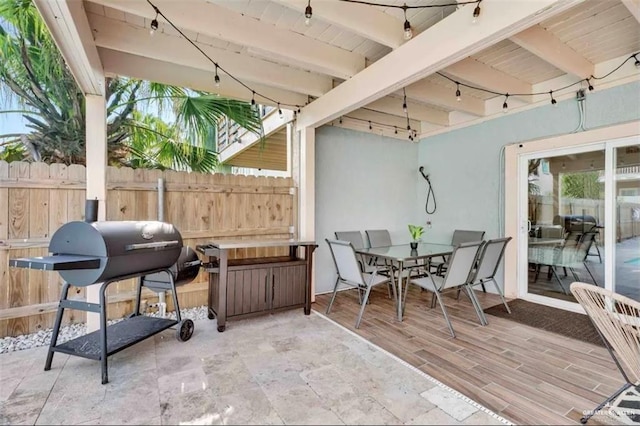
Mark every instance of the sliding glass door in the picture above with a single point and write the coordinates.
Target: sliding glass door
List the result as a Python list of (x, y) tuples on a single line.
[(580, 210)]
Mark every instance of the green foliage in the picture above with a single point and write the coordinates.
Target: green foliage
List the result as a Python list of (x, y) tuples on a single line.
[(582, 185), (416, 232), (33, 73)]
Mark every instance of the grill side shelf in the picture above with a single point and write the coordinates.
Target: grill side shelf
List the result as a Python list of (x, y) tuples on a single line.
[(57, 262)]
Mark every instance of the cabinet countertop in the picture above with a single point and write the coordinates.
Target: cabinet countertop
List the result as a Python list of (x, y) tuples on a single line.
[(253, 243)]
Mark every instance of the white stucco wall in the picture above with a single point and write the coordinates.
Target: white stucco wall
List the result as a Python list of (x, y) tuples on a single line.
[(363, 181)]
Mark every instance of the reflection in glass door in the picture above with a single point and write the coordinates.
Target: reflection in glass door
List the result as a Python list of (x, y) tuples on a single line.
[(582, 210), (565, 207), (626, 187)]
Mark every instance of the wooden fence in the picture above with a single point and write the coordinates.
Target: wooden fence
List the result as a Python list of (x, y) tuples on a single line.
[(36, 199)]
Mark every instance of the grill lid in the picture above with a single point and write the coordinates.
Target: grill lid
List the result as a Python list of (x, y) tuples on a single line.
[(114, 238)]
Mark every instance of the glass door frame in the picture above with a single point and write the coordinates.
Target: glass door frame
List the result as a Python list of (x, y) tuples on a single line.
[(609, 147)]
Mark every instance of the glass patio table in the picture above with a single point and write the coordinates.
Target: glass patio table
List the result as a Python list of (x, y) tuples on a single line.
[(401, 254)]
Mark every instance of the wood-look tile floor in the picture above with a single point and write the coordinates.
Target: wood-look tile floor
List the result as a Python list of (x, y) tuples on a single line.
[(527, 375)]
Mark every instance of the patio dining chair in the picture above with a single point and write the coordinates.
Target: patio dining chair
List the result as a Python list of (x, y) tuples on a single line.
[(349, 273), (569, 257), (459, 236), (617, 320), (458, 275), (382, 238), (356, 240), (488, 263)]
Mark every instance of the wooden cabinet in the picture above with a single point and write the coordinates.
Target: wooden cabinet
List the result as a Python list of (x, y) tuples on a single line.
[(243, 287)]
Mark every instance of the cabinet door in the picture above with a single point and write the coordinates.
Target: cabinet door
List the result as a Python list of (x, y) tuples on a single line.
[(248, 291), (289, 284)]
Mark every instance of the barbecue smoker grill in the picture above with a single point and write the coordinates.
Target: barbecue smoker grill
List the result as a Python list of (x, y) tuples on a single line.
[(106, 252)]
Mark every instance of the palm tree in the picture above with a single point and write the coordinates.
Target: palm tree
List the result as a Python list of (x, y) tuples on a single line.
[(33, 74)]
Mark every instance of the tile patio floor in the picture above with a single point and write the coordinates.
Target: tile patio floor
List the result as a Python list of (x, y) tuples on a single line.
[(285, 368)]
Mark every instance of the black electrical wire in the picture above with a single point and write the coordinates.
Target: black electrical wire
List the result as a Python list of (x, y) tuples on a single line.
[(397, 6)]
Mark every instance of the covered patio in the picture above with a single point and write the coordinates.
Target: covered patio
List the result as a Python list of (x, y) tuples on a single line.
[(366, 105)]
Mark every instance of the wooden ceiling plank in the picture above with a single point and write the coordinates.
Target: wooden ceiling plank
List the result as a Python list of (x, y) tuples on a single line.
[(482, 75), (435, 94), (549, 48), (117, 35), (417, 111), (367, 22), (422, 57), (125, 64), (219, 22)]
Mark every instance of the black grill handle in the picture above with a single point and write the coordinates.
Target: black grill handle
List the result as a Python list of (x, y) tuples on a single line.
[(154, 245)]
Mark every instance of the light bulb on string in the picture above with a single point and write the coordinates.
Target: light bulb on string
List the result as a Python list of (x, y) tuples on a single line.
[(637, 62), (553, 101), (370, 128), (458, 94), (253, 98), (408, 32), (476, 13), (395, 130), (589, 83), (216, 79), (154, 25), (505, 106), (308, 13), (404, 106), (280, 111)]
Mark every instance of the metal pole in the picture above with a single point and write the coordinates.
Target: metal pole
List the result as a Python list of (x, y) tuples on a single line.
[(162, 303)]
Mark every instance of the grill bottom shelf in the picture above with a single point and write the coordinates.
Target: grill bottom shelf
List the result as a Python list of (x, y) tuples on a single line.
[(120, 336)]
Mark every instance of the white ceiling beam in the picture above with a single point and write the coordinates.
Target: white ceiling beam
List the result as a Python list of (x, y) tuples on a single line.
[(478, 74), (125, 64), (218, 22), (393, 105), (431, 93), (634, 8), (69, 27), (367, 22), (118, 35), (547, 47), (422, 57)]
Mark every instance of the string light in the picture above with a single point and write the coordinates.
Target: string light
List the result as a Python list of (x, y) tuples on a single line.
[(308, 13), (405, 7), (216, 79), (476, 13), (505, 106), (553, 101), (395, 130), (458, 97), (280, 111), (404, 102), (408, 32), (587, 80), (370, 128), (154, 24)]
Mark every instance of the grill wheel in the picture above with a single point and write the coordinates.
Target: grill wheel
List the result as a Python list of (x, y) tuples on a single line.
[(185, 330)]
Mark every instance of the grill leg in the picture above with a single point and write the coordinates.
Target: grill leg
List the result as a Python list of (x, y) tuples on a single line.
[(136, 308), (175, 297), (103, 332), (56, 327)]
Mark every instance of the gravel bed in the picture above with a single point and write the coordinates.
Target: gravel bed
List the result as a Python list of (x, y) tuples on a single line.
[(43, 337)]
